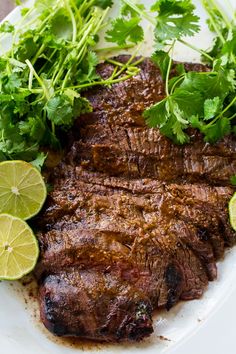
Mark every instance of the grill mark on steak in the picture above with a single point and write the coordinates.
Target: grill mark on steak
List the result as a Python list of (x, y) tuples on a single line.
[(142, 139), (134, 222), (183, 165)]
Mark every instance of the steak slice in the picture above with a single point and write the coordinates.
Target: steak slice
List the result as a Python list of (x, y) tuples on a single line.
[(184, 165), (134, 222), (92, 305), (142, 152)]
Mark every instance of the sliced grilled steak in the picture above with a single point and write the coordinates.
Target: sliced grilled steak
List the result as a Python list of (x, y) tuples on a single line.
[(77, 303), (134, 222)]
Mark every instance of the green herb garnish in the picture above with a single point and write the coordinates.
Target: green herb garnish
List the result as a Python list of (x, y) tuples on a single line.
[(52, 59), (202, 100)]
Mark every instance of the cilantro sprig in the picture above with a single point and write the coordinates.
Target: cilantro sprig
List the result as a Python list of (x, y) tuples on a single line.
[(174, 20), (53, 58), (126, 29), (202, 100)]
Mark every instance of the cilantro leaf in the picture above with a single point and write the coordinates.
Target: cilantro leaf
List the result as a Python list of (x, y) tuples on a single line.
[(60, 26), (33, 128), (12, 144), (217, 131), (38, 162), (93, 61), (124, 31), (197, 123), (156, 115), (81, 106), (233, 180), (27, 46), (175, 19), (161, 59), (6, 27), (59, 110), (24, 11), (62, 109), (189, 102), (209, 84), (88, 72), (11, 83), (168, 116), (178, 130), (212, 107), (44, 4), (229, 46)]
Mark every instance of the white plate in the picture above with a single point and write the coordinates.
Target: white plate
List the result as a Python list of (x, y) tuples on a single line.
[(205, 326)]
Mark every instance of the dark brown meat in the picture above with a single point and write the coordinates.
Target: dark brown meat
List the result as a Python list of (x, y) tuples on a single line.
[(134, 222), (73, 302)]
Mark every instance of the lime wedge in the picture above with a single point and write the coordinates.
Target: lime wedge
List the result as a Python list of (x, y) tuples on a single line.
[(232, 211), (19, 249), (22, 189)]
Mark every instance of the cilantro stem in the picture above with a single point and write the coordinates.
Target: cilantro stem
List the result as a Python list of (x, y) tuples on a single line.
[(77, 14), (169, 69), (114, 62), (37, 55), (73, 21), (196, 49), (19, 25), (91, 27), (102, 82), (44, 22), (181, 78), (221, 12), (62, 68), (40, 81), (94, 26), (126, 65), (86, 5), (36, 90), (31, 76), (139, 61), (130, 69), (168, 76), (99, 26), (227, 108), (205, 4), (233, 116), (113, 48), (48, 61)]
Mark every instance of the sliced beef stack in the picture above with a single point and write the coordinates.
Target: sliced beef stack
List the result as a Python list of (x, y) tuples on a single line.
[(134, 222)]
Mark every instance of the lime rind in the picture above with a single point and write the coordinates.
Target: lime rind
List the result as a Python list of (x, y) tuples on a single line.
[(18, 236), (232, 211)]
